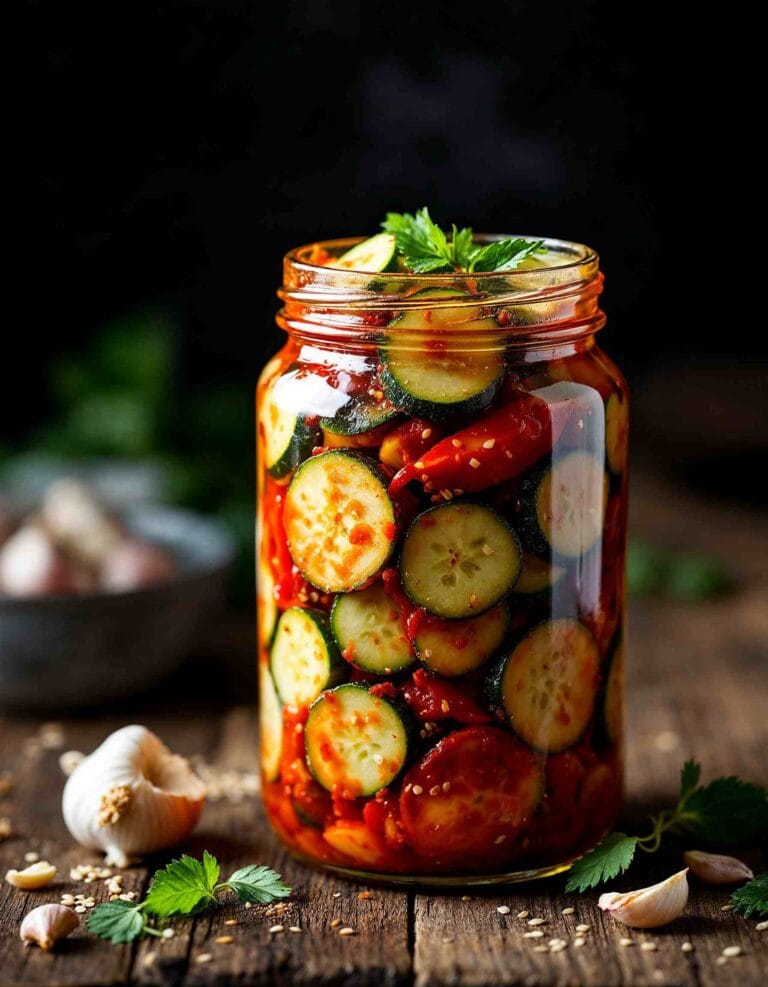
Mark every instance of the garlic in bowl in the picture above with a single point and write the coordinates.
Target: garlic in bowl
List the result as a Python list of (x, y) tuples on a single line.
[(131, 797)]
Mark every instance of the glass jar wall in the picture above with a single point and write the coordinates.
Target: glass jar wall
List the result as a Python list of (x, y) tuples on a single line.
[(441, 528)]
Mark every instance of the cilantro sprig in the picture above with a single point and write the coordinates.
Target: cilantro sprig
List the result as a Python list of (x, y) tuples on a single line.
[(752, 898), (726, 812), (426, 248), (187, 886)]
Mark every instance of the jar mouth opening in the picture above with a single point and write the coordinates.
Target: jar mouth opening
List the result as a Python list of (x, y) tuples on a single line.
[(574, 256)]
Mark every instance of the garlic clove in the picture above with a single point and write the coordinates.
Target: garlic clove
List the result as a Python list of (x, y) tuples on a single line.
[(79, 523), (132, 796), (714, 868), (47, 924), (650, 907), (37, 875)]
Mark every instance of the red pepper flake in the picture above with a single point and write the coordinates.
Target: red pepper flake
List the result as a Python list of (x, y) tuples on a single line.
[(384, 690), (361, 534)]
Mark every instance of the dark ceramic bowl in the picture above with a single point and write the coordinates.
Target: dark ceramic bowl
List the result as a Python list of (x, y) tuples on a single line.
[(82, 650)]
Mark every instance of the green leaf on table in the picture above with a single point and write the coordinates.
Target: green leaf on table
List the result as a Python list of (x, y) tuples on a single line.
[(183, 887), (726, 812), (752, 898), (689, 778), (117, 921), (609, 859), (257, 884)]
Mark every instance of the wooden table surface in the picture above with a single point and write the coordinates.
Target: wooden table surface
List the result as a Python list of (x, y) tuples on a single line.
[(697, 686)]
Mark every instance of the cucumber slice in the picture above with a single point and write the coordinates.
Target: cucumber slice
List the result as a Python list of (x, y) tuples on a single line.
[(356, 742), (368, 626), (537, 575), (459, 646), (339, 520), (564, 506), (547, 685), (377, 253), (288, 439), (430, 378), (304, 658), (358, 416), (616, 433), (459, 560), (270, 725)]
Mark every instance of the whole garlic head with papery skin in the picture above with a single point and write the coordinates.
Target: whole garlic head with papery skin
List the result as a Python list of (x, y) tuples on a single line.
[(132, 796)]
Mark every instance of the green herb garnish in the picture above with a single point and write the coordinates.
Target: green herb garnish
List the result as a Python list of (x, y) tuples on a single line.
[(426, 248), (726, 812), (185, 887), (752, 898)]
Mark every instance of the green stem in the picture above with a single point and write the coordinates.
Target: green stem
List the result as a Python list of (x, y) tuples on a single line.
[(150, 930)]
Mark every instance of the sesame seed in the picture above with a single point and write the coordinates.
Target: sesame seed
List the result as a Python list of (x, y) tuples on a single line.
[(582, 928), (231, 921), (364, 895), (508, 454), (378, 759), (541, 921), (277, 928), (418, 465), (434, 790), (417, 789), (732, 951), (224, 940), (295, 928), (427, 652), (457, 443), (541, 949), (458, 492), (568, 911), (579, 941), (503, 909), (536, 934), (466, 897), (448, 939), (426, 433), (559, 947), (499, 840), (248, 904), (473, 599), (445, 706), (425, 477), (721, 960), (474, 463), (523, 914), (203, 958), (726, 908), (489, 443), (649, 947), (80, 909), (557, 942), (487, 550), (336, 923), (31, 857), (687, 947), (346, 931), (447, 788), (446, 494), (761, 926), (337, 894), (626, 942)]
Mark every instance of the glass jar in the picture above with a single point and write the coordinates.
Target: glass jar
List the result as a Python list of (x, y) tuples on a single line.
[(442, 492)]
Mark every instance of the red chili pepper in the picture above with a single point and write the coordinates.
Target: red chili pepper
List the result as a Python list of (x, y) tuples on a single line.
[(431, 699), (494, 449)]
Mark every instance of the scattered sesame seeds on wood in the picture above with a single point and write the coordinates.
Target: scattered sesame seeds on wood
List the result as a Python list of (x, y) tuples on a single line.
[(224, 940), (761, 926), (568, 911), (687, 947), (347, 931), (533, 934), (731, 951), (275, 929), (542, 921), (203, 957), (335, 923), (649, 947), (503, 909)]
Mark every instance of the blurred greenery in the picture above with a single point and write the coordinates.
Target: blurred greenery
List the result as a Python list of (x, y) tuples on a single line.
[(680, 576), (121, 398)]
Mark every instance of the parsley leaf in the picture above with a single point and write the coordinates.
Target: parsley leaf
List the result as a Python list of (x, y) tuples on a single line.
[(726, 812), (183, 887), (609, 858), (257, 884), (689, 778), (426, 248), (752, 898), (117, 921)]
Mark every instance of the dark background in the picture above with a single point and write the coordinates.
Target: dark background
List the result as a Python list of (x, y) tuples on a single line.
[(169, 153)]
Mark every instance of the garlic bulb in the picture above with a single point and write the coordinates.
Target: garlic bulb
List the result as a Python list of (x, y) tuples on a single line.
[(649, 907), (47, 924), (132, 796), (714, 868)]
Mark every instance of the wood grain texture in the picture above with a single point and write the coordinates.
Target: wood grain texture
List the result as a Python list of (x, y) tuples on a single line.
[(698, 680)]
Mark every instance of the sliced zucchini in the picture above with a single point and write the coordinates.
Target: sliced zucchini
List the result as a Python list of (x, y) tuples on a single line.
[(288, 438), (564, 506), (616, 433), (377, 253), (359, 415), (613, 697), (427, 375), (356, 742), (459, 646), (537, 575), (304, 658), (270, 725), (546, 687), (459, 560), (339, 520), (368, 626)]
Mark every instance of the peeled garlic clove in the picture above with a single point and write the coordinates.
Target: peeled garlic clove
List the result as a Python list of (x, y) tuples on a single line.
[(31, 565), (47, 924), (132, 796), (649, 907), (132, 564), (35, 876), (79, 522), (714, 868)]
